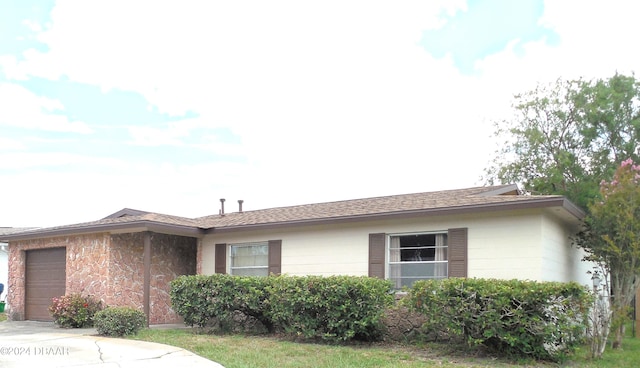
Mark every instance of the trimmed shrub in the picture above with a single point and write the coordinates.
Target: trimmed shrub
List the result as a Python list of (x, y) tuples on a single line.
[(74, 310), (201, 299), (334, 309), (191, 298), (519, 318), (119, 321)]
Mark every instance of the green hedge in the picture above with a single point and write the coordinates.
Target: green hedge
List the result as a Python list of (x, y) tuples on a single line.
[(119, 321), (331, 308), (336, 308), (521, 318), (200, 299)]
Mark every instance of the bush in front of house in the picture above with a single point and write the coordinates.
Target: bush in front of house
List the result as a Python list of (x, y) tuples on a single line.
[(334, 309), (541, 320), (192, 298), (119, 321), (201, 299), (74, 310)]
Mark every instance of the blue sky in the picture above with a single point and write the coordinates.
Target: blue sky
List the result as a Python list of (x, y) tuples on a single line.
[(169, 106), (487, 27)]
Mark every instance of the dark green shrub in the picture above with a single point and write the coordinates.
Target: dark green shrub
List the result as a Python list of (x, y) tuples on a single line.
[(336, 308), (520, 318), (191, 299), (330, 308), (74, 310), (119, 321), (202, 299)]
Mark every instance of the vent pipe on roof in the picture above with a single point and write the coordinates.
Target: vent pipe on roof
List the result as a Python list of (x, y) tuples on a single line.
[(240, 201), (222, 206)]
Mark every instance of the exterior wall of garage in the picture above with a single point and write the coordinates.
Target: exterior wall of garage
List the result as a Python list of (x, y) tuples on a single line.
[(86, 267), (110, 267)]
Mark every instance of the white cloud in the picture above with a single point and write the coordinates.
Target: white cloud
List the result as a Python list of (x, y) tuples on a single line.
[(49, 197), (53, 160), (153, 136), (7, 144), (32, 25), (331, 100), (595, 42), (599, 38), (23, 108)]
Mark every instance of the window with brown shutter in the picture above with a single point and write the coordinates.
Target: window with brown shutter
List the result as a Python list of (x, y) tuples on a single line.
[(376, 255), (255, 259), (221, 258), (275, 256), (458, 252), (417, 256)]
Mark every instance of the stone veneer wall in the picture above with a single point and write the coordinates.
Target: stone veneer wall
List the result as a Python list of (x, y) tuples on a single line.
[(171, 256), (87, 270), (111, 268), (127, 271), (199, 257)]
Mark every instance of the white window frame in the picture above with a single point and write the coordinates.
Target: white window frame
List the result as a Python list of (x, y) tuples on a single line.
[(389, 263), (253, 267)]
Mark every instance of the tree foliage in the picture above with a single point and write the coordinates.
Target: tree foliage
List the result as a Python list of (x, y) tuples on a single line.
[(565, 137), (612, 237)]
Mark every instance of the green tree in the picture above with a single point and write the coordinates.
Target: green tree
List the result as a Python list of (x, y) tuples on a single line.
[(612, 121), (611, 237), (565, 137)]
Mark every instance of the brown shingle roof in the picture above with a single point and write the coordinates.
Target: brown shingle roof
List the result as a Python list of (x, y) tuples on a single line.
[(147, 220), (379, 206), (440, 202), (13, 230)]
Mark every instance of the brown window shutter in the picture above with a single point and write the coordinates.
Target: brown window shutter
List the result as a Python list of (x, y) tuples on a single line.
[(376, 255), (275, 257), (457, 243), (221, 258)]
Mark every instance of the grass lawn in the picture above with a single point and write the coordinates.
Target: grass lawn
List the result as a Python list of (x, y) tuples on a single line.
[(3, 317), (629, 356), (235, 351)]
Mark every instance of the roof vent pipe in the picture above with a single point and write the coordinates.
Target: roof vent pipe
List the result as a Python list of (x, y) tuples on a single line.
[(240, 201), (222, 206)]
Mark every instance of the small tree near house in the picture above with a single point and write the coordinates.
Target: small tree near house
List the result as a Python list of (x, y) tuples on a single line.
[(611, 237)]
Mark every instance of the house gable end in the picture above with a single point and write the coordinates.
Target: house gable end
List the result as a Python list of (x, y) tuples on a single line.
[(126, 212)]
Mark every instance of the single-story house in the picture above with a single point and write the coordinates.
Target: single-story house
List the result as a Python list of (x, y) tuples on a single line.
[(129, 257)]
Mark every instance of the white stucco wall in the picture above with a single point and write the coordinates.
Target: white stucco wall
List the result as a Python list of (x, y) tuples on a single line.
[(561, 261), (505, 245)]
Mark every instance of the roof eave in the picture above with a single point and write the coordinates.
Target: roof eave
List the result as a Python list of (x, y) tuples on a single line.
[(198, 232), (133, 226)]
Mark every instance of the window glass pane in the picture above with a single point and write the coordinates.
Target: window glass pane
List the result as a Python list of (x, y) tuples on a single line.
[(249, 255), (249, 259), (417, 257), (405, 274), (250, 271)]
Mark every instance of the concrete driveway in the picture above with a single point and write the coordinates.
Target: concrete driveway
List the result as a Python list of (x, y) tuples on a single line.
[(29, 343)]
